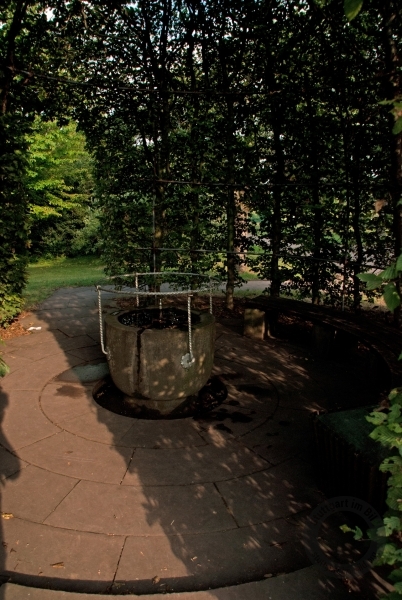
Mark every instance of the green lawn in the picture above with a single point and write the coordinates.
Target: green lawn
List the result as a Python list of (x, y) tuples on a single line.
[(249, 276), (46, 276)]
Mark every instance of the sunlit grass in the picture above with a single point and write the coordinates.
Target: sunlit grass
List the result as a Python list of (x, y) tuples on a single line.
[(47, 275)]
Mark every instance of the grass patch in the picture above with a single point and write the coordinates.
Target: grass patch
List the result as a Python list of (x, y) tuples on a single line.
[(47, 275), (249, 276)]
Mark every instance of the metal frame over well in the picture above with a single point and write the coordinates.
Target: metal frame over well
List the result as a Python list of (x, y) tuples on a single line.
[(138, 290)]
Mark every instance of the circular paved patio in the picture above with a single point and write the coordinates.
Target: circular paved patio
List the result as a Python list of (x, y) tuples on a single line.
[(98, 502)]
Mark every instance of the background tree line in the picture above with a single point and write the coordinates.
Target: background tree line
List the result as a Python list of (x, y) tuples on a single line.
[(266, 112)]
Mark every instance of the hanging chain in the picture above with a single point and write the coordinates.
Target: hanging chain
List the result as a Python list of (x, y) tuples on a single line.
[(101, 321), (210, 296), (190, 335), (188, 359)]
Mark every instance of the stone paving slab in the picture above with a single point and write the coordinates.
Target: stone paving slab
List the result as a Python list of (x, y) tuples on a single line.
[(308, 583), (34, 349), (16, 362), (62, 401), (74, 456), (282, 437), (88, 353), (37, 377), (124, 510), (24, 423), (34, 493), (70, 327), (11, 465), (272, 493), (185, 562), (99, 425), (178, 433), (34, 339), (231, 422), (77, 312), (185, 466), (46, 553)]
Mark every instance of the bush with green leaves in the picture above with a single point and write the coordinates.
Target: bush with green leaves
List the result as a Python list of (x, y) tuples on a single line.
[(13, 216), (388, 432), (60, 184), (387, 281)]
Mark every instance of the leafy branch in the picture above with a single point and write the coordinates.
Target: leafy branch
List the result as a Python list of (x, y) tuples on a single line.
[(388, 432), (385, 281)]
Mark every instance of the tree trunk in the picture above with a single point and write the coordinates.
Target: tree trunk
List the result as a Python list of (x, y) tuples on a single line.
[(230, 210)]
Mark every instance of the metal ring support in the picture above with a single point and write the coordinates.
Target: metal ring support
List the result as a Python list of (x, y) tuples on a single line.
[(188, 359), (210, 283)]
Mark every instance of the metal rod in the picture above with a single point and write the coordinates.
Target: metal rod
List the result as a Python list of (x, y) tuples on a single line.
[(339, 261), (153, 233), (190, 336)]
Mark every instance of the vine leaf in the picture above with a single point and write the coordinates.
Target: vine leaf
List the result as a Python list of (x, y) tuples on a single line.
[(372, 281), (391, 296), (352, 8)]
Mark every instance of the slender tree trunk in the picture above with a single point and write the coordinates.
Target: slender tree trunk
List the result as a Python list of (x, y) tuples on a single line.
[(355, 177), (230, 209), (317, 233), (9, 64), (317, 211)]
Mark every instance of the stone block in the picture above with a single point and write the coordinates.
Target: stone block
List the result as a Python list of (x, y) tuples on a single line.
[(254, 323)]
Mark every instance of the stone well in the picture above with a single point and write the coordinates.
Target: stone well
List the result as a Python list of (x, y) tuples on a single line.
[(147, 363)]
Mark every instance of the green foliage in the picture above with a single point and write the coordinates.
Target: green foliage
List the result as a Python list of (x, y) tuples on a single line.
[(352, 8), (390, 290), (59, 183), (388, 432), (47, 275), (372, 281), (13, 216), (357, 532), (4, 368)]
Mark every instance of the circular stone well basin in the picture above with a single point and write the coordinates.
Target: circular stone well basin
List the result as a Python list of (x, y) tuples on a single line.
[(145, 363)]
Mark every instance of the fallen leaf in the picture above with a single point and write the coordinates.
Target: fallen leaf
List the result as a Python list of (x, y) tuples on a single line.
[(194, 558), (156, 579), (267, 575), (58, 565), (7, 515), (12, 550)]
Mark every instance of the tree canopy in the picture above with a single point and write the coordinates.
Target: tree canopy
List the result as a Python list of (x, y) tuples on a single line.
[(216, 129)]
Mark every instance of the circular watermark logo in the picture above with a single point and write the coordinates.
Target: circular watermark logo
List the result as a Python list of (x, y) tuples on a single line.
[(331, 538)]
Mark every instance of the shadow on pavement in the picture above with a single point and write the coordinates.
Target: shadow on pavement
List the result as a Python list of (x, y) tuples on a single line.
[(190, 504)]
